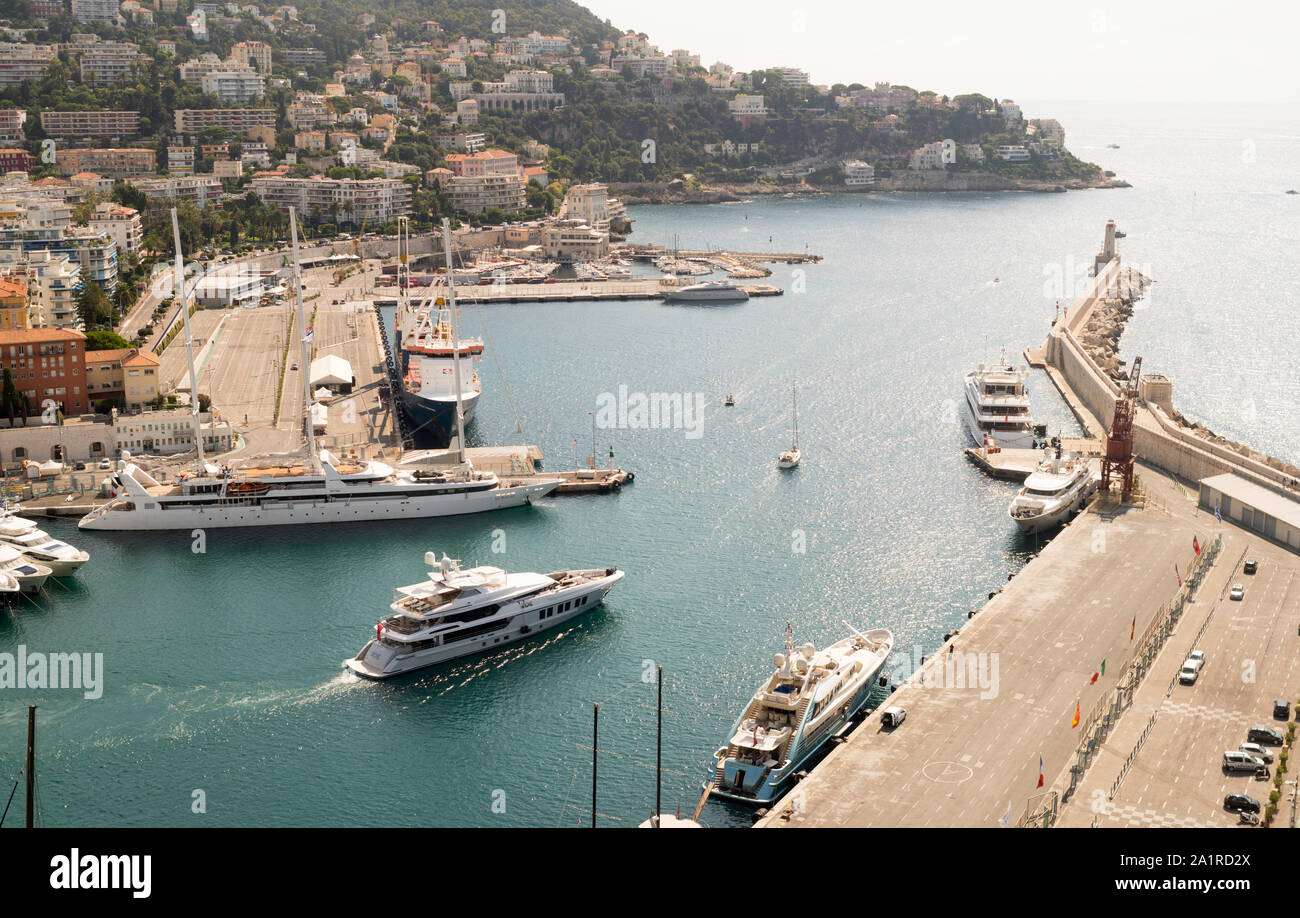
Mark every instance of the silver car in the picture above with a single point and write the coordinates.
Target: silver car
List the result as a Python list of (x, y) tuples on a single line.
[(1258, 752)]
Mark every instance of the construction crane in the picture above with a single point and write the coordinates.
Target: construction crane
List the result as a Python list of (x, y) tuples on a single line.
[(1117, 463)]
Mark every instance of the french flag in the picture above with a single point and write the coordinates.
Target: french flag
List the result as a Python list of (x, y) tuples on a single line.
[(310, 330), (1040, 771)]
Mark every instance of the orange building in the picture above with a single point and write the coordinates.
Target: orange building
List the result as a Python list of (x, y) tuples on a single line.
[(47, 366), (13, 303)]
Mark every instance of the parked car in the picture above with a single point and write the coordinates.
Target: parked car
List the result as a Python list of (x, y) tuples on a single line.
[(1258, 752), (1238, 592), (893, 716), (1265, 735), (80, 467), (1236, 761), (1250, 567), (106, 463), (1187, 675), (1240, 803), (1282, 709), (1196, 658)]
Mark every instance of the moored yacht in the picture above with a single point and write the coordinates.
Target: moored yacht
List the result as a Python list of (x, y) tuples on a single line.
[(1059, 487), (61, 558), (30, 575), (315, 488), (997, 406), (9, 588), (455, 613), (707, 292), (811, 695)]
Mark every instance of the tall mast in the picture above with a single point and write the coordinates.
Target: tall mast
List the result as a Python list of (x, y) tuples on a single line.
[(189, 339), (303, 362), (794, 400), (455, 344)]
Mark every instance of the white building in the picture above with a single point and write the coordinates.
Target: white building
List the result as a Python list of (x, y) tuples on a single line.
[(744, 105), (234, 86), (121, 224), (858, 174), (1013, 153), (929, 156)]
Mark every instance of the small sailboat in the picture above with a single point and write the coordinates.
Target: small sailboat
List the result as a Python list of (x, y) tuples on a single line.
[(789, 458), (730, 401)]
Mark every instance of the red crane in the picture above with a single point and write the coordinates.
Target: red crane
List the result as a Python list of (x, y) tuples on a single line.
[(1117, 463)]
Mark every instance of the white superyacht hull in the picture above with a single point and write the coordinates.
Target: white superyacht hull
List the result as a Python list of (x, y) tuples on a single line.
[(524, 619), (1059, 513), (322, 509)]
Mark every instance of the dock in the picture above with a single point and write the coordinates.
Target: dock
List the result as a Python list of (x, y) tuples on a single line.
[(573, 292), (1018, 464), (523, 461), (1059, 702)]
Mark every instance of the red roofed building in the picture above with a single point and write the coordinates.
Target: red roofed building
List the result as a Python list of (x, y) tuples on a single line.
[(48, 367)]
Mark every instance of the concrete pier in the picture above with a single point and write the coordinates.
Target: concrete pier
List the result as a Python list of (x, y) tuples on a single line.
[(1074, 663)]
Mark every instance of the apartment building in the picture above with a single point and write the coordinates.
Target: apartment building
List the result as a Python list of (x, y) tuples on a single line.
[(180, 160), (129, 376), (574, 240), (47, 366), (105, 63), (201, 189), (477, 193), (12, 131), (117, 162), (53, 283), (927, 157), (234, 86), (858, 174), (256, 54), (1013, 153), (94, 10), (95, 252), (15, 161), (19, 62), (318, 198), (13, 302), (85, 125), (119, 223), (305, 115), (587, 203), (747, 106), (303, 57), (235, 120)]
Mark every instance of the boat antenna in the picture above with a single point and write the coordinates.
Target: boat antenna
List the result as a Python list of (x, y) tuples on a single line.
[(306, 339), (189, 338), (659, 752), (455, 345)]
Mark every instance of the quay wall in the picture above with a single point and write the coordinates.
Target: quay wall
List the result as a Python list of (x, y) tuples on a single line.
[(1157, 439)]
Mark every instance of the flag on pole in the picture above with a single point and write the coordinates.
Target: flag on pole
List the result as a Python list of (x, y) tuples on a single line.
[(1074, 723), (1132, 629), (1178, 575), (1196, 546), (307, 337), (1006, 818), (1040, 771), (1095, 677), (1217, 517), (1103, 667)]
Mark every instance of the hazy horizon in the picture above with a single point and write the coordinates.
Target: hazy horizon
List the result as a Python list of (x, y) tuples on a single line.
[(1156, 51)]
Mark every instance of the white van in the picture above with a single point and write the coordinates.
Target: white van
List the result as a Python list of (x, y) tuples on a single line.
[(893, 716)]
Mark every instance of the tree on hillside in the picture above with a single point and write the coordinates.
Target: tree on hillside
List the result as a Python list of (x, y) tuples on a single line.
[(103, 339)]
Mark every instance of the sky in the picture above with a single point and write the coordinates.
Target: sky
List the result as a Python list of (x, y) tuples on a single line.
[(1083, 49)]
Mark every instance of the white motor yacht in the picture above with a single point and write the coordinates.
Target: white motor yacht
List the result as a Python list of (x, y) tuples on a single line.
[(61, 558), (455, 613), (707, 292), (30, 575), (997, 406), (811, 695), (1059, 487)]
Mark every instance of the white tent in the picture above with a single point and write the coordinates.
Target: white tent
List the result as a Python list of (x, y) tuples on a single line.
[(330, 370), (319, 416), (322, 394)]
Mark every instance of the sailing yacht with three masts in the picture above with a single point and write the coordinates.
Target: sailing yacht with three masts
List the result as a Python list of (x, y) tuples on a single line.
[(315, 488)]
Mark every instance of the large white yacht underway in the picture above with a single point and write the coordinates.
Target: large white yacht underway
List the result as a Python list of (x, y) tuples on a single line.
[(997, 406), (455, 613), (315, 488)]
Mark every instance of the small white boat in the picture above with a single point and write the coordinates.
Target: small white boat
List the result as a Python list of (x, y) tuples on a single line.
[(456, 613), (1059, 487), (9, 588), (36, 545), (789, 458), (30, 575)]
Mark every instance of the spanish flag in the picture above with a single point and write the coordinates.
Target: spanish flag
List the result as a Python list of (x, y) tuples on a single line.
[(1074, 723), (1132, 628)]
